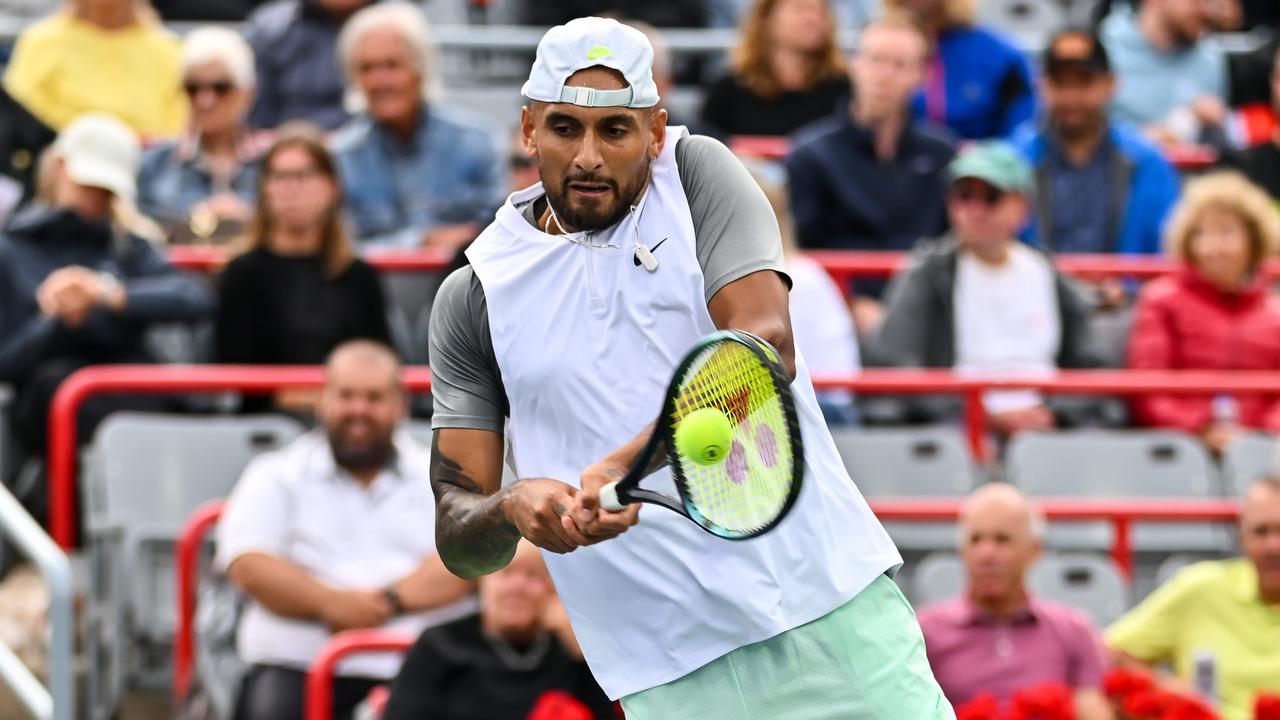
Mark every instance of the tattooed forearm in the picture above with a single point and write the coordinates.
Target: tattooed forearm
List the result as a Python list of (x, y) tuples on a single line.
[(473, 536)]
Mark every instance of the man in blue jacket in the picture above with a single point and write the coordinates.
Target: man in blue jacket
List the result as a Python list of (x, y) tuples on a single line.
[(1101, 187), (76, 288)]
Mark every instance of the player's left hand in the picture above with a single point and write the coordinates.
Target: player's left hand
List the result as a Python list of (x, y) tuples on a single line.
[(593, 521)]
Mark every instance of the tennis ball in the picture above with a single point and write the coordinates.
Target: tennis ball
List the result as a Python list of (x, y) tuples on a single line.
[(704, 435)]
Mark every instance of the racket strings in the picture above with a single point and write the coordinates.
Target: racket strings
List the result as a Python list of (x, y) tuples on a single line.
[(749, 488)]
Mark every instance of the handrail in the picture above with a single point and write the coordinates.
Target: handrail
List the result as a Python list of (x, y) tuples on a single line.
[(1120, 513), (842, 265), (190, 541), (319, 699), (103, 379), (57, 702)]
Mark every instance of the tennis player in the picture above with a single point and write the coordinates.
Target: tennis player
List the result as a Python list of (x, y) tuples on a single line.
[(580, 300)]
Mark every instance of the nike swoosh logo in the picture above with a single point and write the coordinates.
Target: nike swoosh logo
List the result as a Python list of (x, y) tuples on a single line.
[(635, 259)]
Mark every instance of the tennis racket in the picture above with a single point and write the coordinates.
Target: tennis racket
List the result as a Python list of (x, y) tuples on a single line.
[(749, 488)]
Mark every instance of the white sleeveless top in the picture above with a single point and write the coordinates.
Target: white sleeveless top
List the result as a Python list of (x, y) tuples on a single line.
[(586, 342)]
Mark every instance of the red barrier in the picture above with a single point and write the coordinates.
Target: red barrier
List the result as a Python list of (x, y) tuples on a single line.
[(264, 379), (1122, 514), (207, 259), (319, 702), (842, 265), (152, 379), (188, 559), (775, 148)]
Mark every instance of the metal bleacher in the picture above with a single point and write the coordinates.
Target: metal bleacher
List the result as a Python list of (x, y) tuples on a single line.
[(1120, 464), (145, 473), (1089, 582), (909, 462)]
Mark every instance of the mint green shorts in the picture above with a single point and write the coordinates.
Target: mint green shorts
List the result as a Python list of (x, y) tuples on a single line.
[(865, 660)]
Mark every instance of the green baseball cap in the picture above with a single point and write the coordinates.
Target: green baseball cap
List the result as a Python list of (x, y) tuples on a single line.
[(996, 163)]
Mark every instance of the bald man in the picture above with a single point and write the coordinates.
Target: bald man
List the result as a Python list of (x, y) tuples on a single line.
[(334, 532), (1217, 623), (996, 637)]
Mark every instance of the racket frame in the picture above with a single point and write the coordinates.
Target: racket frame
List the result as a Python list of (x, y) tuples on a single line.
[(627, 490)]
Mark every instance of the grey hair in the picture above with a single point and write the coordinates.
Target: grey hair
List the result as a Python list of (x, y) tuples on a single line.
[(206, 45), (411, 23)]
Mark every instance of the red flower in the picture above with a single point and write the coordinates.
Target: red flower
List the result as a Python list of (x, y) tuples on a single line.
[(982, 706), (1049, 701), (1145, 704), (1266, 707), (1121, 683), (559, 705)]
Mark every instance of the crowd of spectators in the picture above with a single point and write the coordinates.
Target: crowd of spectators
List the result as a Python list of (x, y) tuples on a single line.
[(324, 133)]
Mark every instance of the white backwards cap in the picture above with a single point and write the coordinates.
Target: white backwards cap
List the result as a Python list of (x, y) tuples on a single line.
[(588, 42)]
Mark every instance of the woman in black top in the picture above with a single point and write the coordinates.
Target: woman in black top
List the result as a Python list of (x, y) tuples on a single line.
[(786, 72), (298, 290)]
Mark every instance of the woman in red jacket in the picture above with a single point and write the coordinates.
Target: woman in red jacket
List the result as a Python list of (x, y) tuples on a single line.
[(1216, 312)]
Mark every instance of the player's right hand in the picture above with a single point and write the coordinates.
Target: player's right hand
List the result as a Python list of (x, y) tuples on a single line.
[(539, 507)]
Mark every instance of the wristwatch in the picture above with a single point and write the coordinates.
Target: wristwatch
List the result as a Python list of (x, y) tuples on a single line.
[(109, 283), (393, 598)]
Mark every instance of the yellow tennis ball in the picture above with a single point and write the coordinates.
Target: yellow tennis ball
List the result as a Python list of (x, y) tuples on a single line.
[(704, 435)]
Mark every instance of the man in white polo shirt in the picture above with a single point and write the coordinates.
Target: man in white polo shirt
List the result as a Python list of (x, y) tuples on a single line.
[(579, 301), (332, 533)]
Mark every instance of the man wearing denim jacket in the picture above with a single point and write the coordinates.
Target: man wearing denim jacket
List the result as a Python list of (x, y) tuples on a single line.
[(415, 174)]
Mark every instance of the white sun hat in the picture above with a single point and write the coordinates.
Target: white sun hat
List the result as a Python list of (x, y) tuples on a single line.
[(100, 151)]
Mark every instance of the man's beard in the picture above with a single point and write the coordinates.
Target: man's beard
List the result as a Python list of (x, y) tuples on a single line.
[(374, 454), (579, 220)]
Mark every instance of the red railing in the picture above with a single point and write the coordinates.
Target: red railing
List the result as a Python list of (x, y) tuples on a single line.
[(206, 259), (319, 700), (843, 265), (1120, 513), (775, 147), (153, 379), (264, 379), (190, 542)]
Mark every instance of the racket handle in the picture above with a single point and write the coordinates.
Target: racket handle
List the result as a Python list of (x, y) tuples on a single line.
[(609, 497)]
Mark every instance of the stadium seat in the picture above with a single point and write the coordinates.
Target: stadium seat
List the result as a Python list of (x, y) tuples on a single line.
[(143, 476), (1174, 564), (422, 335), (1091, 583), (937, 577), (1119, 464), (909, 462), (1110, 332), (1246, 459), (1031, 22)]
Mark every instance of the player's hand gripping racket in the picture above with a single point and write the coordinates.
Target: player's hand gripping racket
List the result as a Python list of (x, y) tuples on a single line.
[(729, 429)]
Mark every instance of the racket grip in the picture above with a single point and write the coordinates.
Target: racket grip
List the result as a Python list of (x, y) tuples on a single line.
[(609, 497)]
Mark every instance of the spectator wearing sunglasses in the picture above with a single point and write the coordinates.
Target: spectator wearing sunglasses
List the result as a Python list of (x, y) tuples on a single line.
[(201, 188), (981, 302)]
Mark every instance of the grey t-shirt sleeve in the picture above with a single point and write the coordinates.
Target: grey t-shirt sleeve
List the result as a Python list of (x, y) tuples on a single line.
[(735, 230), (466, 384)]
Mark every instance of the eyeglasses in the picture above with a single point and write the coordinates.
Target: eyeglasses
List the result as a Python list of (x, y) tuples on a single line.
[(218, 87), (300, 175), (977, 193)]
